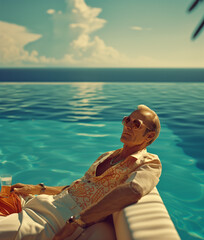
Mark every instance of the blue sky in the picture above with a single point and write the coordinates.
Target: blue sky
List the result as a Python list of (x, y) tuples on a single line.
[(99, 33)]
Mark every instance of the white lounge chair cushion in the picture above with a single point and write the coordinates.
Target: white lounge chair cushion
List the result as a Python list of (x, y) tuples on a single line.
[(146, 220)]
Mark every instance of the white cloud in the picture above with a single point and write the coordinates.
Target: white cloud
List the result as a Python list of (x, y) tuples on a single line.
[(13, 39), (50, 11), (87, 51), (68, 58), (79, 32), (137, 28), (78, 25), (88, 48)]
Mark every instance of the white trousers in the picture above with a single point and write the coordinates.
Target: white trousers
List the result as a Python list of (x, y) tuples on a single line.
[(41, 218)]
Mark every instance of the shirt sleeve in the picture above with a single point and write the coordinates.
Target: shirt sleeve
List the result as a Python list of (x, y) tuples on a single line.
[(145, 177)]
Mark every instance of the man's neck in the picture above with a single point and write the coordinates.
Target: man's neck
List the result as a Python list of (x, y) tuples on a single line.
[(128, 150)]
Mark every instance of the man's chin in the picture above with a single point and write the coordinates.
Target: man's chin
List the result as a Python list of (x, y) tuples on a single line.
[(124, 139)]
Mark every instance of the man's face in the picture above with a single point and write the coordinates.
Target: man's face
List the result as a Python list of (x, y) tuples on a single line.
[(133, 135)]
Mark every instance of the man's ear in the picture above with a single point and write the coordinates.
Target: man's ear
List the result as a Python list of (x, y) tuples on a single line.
[(150, 136)]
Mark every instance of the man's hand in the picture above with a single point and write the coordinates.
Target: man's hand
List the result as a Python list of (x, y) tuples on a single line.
[(66, 231), (25, 189)]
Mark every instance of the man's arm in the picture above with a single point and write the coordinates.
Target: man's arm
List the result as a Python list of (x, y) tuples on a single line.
[(115, 200), (26, 189), (141, 182)]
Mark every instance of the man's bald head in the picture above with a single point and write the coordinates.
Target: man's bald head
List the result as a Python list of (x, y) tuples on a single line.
[(150, 119)]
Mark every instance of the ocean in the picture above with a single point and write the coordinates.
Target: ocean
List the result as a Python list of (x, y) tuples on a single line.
[(101, 75), (52, 131)]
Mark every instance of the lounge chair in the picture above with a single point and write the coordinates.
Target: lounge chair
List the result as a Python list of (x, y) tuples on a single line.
[(148, 219)]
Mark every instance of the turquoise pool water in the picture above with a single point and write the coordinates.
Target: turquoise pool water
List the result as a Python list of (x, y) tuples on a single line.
[(51, 133)]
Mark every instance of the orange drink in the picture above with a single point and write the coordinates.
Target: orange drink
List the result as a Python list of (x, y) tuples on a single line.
[(5, 185), (5, 191)]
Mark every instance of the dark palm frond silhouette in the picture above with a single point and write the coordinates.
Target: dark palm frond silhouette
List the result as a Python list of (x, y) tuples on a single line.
[(201, 24), (195, 3), (198, 29)]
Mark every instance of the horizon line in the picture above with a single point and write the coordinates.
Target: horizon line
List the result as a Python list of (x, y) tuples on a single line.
[(55, 67)]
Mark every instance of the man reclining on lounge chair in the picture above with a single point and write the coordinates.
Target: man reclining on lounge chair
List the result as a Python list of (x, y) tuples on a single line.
[(116, 179)]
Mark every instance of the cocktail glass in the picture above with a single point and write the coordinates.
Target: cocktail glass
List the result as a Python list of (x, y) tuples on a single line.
[(6, 181)]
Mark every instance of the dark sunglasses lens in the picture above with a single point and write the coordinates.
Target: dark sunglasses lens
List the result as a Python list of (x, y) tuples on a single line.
[(127, 120), (137, 123)]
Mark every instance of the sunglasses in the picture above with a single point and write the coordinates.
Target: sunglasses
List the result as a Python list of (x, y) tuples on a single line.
[(136, 124)]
